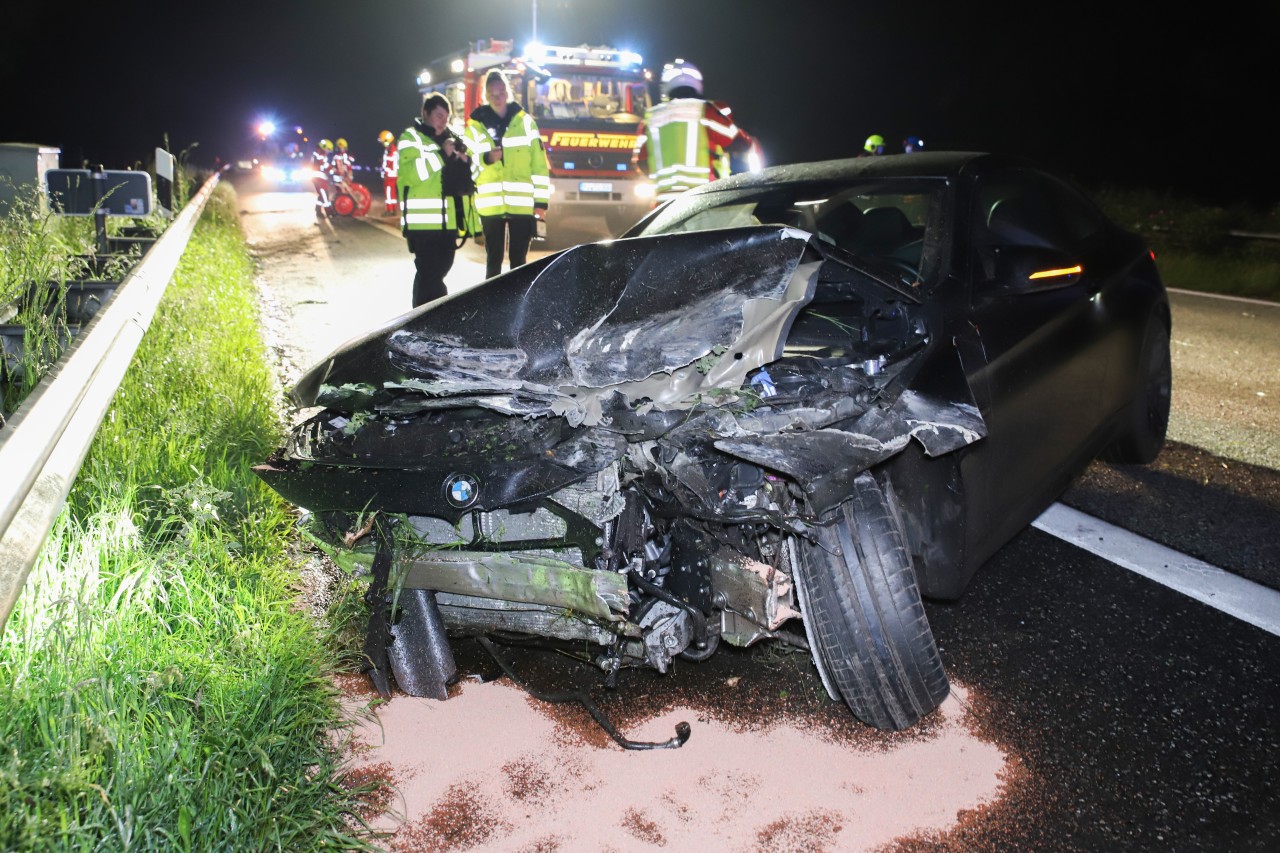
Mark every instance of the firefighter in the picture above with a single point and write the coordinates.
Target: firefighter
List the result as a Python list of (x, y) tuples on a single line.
[(343, 162), (322, 177), (390, 168), (748, 159), (686, 141), (513, 183), (873, 147)]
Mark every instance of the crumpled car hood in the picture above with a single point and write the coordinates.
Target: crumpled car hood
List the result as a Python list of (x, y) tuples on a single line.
[(647, 348), (649, 321)]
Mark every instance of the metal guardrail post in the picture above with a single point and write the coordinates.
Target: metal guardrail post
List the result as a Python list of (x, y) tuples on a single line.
[(45, 442)]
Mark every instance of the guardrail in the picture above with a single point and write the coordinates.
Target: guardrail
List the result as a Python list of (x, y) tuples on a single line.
[(1253, 235), (46, 440)]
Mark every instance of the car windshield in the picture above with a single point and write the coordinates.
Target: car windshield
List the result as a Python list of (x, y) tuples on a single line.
[(894, 222)]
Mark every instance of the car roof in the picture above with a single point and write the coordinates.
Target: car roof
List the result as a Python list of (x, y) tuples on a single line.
[(924, 164)]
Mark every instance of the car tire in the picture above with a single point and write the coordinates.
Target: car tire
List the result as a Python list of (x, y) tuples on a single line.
[(1146, 419), (864, 615)]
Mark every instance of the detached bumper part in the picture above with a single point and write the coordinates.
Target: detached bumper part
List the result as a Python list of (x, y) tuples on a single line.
[(420, 656), (414, 646)]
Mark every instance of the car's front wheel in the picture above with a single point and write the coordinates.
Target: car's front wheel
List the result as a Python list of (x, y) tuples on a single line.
[(1146, 419), (863, 613)]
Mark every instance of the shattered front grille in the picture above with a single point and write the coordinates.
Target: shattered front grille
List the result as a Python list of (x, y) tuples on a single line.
[(498, 526), (437, 531), (504, 526), (540, 529), (567, 525)]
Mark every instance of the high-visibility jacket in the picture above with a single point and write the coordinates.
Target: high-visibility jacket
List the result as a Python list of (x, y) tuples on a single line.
[(390, 161), (686, 143), (423, 206), (520, 181), (390, 186), (320, 165), (343, 165)]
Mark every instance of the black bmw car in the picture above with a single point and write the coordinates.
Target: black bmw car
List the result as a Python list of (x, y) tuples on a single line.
[(784, 406)]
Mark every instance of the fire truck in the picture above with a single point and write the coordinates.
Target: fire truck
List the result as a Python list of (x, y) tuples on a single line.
[(588, 103)]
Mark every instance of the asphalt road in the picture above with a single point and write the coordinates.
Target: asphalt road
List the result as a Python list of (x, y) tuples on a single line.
[(1135, 718), (1214, 493), (1226, 363)]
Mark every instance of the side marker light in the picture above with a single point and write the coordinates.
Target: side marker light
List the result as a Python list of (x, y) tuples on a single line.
[(1062, 272)]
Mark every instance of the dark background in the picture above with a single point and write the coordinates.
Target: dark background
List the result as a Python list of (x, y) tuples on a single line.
[(1163, 98)]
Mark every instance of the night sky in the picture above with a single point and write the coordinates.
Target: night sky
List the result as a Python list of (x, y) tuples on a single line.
[(1165, 99)]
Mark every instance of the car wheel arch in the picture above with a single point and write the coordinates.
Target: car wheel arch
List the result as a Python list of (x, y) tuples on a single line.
[(1143, 423), (930, 495)]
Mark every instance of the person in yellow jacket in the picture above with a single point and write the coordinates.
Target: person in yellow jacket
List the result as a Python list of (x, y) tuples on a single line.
[(431, 216), (513, 185)]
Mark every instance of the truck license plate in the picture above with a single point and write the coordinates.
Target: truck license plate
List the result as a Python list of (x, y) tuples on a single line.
[(595, 187)]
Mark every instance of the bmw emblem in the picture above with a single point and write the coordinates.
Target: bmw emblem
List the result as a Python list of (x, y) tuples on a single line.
[(461, 490)]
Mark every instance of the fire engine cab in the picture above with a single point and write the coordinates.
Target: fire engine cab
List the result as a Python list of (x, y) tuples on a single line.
[(588, 103)]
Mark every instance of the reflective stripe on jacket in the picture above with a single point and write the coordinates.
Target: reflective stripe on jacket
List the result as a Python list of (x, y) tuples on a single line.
[(423, 206), (520, 181), (320, 164), (686, 142), (343, 165)]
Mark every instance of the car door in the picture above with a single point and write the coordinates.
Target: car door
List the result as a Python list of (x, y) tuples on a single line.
[(1036, 349)]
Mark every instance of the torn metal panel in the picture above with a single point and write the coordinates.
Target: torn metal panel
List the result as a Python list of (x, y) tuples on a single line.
[(940, 426), (599, 327), (760, 329)]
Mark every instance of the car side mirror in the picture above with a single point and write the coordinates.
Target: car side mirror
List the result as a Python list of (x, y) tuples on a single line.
[(1031, 269)]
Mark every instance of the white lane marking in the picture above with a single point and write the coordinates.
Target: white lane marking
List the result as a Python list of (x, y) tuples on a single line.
[(1225, 296), (1233, 595)]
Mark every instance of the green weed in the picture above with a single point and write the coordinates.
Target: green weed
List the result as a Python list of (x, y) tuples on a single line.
[(159, 687)]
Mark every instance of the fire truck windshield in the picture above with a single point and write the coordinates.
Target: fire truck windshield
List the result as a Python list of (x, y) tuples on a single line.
[(585, 97)]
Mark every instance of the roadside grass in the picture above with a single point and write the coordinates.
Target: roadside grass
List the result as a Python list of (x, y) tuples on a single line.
[(159, 687), (1249, 271), (1194, 247)]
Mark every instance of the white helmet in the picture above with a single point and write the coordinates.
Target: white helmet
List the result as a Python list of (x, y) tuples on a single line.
[(681, 73)]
